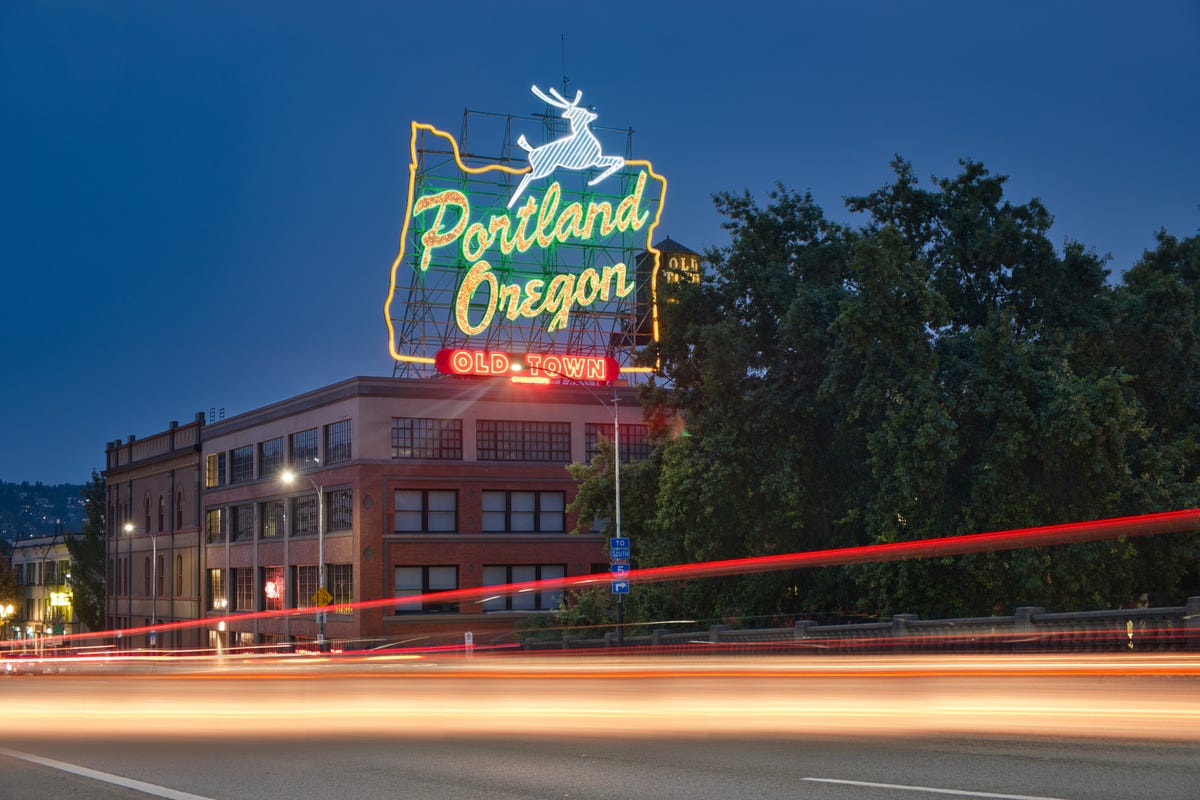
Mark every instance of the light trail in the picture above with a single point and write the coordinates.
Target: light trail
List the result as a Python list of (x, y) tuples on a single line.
[(1071, 533)]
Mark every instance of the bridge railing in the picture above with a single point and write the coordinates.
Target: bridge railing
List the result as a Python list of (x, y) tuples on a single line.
[(1171, 628)]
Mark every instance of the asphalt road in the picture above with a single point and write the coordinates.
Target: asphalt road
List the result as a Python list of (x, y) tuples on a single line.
[(666, 730)]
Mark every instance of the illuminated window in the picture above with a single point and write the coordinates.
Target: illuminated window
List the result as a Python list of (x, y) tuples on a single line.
[(214, 525), (242, 524), (416, 581), (218, 600), (528, 512), (634, 444), (337, 442), (214, 469), (501, 440), (243, 589), (523, 600), (340, 580), (270, 519), (271, 457), (241, 464), (273, 588), (304, 450), (427, 438), (304, 515), (426, 511), (339, 510)]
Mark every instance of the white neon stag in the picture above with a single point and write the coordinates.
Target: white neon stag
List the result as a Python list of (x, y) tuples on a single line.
[(578, 150)]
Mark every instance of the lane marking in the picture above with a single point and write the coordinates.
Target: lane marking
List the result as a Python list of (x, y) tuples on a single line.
[(104, 777), (930, 790)]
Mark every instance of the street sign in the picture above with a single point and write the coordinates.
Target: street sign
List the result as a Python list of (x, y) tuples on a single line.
[(618, 552), (622, 541), (618, 569), (620, 587), (322, 597)]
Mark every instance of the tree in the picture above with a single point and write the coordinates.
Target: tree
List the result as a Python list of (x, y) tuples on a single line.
[(88, 557)]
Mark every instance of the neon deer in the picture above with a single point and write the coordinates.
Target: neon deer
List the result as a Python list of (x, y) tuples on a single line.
[(578, 150)]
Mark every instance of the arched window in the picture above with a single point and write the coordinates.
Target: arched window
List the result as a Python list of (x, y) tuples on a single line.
[(178, 575), (147, 593), (162, 512), (147, 514), (179, 509)]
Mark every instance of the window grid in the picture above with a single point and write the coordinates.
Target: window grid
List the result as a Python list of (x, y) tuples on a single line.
[(339, 510), (217, 599), (271, 457), (524, 512), (241, 464), (242, 524), (214, 525), (214, 470), (340, 579), (413, 581), (304, 450), (337, 442), (518, 440), (304, 515), (414, 437), (499, 575), (243, 589), (635, 444), (270, 519), (306, 581), (426, 511)]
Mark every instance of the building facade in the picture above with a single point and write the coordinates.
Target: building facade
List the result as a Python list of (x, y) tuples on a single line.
[(153, 536), (42, 566), (401, 488)]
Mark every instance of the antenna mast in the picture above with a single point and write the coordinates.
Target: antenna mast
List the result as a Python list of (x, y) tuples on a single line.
[(564, 63)]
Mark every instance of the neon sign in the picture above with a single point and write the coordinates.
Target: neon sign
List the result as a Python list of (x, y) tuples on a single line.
[(528, 368), (527, 258)]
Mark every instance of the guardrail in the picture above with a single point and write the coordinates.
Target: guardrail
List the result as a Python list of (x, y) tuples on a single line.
[(1030, 629)]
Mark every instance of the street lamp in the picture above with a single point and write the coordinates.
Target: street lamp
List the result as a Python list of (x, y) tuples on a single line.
[(288, 477), (153, 578)]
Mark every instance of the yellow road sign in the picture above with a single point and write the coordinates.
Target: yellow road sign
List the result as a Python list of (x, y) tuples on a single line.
[(322, 597)]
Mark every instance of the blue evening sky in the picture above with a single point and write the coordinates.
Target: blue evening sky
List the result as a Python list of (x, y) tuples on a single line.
[(202, 200)]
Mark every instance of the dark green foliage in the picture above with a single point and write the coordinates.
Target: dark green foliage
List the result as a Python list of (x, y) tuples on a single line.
[(939, 370), (87, 557)]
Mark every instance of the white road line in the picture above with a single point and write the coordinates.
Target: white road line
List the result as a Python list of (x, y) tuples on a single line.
[(105, 777), (930, 790)]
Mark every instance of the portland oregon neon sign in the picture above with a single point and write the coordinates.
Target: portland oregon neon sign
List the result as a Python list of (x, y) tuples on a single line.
[(544, 256)]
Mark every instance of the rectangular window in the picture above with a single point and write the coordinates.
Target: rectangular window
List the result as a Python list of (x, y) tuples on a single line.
[(305, 581), (179, 576), (241, 464), (273, 588), (272, 457), (523, 600), (339, 510), (524, 512), (218, 600), (337, 442), (243, 589), (416, 581), (427, 438), (270, 519), (426, 511), (340, 580), (214, 470), (501, 440), (304, 515), (214, 524), (304, 450), (635, 446), (242, 524)]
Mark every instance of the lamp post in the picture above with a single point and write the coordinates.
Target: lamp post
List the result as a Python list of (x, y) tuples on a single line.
[(289, 477), (129, 528)]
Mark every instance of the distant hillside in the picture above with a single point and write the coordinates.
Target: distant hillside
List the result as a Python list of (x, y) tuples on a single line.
[(32, 509)]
